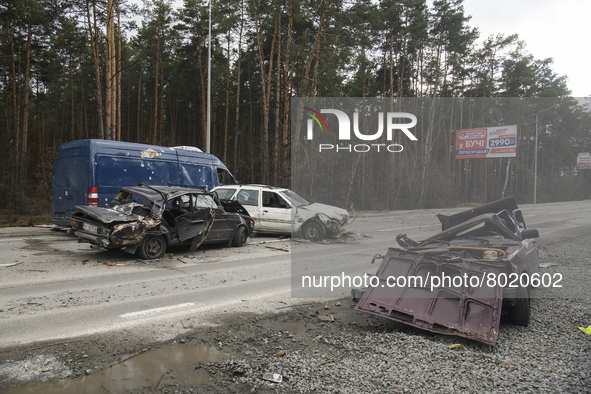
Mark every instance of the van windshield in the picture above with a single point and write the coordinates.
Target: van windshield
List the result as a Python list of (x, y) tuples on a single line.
[(294, 198)]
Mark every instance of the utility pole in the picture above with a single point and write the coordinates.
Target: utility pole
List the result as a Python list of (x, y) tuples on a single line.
[(536, 153), (208, 138)]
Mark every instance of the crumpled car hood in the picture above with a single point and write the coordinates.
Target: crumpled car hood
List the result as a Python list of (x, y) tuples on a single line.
[(338, 214), (106, 215)]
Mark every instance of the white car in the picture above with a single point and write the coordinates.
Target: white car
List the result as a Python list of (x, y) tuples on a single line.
[(282, 211)]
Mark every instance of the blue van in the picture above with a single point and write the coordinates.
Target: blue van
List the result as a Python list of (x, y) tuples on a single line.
[(91, 172)]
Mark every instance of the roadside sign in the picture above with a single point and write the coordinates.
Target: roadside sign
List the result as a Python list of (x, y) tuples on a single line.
[(584, 161), (486, 142)]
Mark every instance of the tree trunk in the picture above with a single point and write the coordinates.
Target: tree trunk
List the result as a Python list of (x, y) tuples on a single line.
[(93, 33), (118, 72), (25, 130), (238, 83), (111, 98), (285, 163), (277, 131), (203, 91), (227, 114), (72, 106), (156, 106), (139, 104), (266, 90), (160, 135), (312, 55), (15, 109), (83, 108)]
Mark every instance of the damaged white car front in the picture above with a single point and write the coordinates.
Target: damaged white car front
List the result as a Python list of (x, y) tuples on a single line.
[(317, 221)]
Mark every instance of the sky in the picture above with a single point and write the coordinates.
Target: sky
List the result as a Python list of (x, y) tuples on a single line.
[(558, 29)]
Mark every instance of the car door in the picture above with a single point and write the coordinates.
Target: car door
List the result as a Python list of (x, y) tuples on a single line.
[(250, 200), (275, 212), (221, 226), (193, 220)]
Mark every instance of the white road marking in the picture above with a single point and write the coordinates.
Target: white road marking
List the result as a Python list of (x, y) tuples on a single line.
[(155, 311)]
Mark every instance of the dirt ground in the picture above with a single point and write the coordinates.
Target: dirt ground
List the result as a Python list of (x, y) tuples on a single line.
[(257, 338)]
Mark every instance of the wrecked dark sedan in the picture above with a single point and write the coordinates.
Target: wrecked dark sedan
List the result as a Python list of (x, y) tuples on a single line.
[(147, 219), (458, 282)]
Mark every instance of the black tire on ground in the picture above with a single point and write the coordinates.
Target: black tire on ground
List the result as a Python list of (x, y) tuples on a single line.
[(239, 238), (312, 231), (519, 313), (152, 247)]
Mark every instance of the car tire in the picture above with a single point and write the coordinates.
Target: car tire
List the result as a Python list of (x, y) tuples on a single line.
[(312, 231), (239, 238), (520, 312), (152, 247)]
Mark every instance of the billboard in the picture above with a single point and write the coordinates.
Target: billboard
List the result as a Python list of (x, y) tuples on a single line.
[(584, 161), (486, 142)]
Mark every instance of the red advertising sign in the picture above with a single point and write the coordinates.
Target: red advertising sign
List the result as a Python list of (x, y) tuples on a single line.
[(486, 142), (584, 161)]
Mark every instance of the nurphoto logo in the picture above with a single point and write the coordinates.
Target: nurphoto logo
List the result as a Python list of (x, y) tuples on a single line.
[(389, 121)]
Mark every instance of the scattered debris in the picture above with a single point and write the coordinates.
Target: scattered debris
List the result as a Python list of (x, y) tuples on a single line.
[(10, 264), (332, 360), (326, 318), (547, 265), (273, 377), (279, 249), (458, 347), (130, 357), (586, 330)]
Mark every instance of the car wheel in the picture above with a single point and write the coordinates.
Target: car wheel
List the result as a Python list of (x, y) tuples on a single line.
[(519, 313), (152, 247), (313, 231), (239, 238)]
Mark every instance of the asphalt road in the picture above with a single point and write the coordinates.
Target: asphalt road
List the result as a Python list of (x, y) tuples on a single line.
[(52, 288)]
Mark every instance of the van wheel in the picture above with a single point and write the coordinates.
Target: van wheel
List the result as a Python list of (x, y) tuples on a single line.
[(239, 238), (152, 247), (519, 313), (313, 231)]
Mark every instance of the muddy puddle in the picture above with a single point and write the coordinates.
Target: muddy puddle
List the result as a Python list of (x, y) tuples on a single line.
[(171, 364)]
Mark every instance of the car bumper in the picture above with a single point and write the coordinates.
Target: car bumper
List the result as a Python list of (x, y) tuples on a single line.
[(93, 239)]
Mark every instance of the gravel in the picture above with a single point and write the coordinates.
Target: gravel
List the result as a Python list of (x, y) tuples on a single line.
[(363, 353), (551, 355)]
